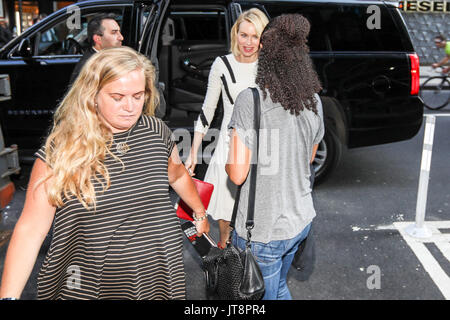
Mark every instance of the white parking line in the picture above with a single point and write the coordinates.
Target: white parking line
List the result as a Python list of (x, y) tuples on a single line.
[(438, 114), (442, 242)]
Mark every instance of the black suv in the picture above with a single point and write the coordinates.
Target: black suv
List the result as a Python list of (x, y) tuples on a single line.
[(369, 71)]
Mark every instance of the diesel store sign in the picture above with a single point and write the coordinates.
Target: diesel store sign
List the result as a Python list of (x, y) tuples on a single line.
[(425, 6)]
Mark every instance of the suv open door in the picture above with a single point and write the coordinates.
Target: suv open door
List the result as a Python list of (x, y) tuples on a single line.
[(39, 63)]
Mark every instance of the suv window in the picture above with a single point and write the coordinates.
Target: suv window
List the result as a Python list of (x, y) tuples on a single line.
[(343, 27), (59, 39), (205, 25)]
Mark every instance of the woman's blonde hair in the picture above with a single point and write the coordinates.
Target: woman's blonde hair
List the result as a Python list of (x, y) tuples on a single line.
[(254, 16), (79, 141)]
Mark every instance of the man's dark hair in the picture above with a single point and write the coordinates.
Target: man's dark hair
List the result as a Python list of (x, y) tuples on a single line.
[(284, 66), (95, 26), (440, 37)]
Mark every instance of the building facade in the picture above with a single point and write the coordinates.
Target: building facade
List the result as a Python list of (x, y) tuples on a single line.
[(20, 14), (426, 19)]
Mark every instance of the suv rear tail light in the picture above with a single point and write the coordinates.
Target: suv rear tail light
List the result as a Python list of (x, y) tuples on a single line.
[(415, 75)]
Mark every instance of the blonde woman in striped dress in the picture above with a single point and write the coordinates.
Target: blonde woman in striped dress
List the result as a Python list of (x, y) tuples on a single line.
[(103, 179)]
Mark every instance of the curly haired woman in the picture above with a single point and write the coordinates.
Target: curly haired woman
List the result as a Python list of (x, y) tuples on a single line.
[(292, 127)]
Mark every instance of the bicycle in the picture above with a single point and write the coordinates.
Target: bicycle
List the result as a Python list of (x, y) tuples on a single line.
[(435, 91)]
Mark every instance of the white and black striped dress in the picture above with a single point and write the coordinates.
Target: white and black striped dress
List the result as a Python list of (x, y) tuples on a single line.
[(131, 247)]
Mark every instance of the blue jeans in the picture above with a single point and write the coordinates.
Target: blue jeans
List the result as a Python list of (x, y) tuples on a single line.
[(274, 259)]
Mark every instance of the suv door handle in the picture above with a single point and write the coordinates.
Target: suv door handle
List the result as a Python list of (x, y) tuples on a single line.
[(191, 68), (190, 65)]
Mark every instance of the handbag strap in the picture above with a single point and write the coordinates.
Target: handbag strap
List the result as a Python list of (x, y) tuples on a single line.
[(250, 223)]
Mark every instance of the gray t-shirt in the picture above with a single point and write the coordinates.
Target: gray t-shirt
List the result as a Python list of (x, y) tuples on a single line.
[(284, 204)]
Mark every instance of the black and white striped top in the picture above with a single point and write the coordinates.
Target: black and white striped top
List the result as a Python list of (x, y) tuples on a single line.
[(131, 247)]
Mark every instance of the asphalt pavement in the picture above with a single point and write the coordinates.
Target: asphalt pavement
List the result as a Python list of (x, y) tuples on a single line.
[(362, 251)]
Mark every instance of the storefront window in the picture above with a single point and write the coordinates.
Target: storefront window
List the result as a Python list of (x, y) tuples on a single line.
[(30, 10), (62, 4)]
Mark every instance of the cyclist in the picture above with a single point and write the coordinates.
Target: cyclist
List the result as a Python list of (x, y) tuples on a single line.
[(440, 43)]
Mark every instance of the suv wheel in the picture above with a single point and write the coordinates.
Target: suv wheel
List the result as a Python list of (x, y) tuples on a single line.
[(327, 156)]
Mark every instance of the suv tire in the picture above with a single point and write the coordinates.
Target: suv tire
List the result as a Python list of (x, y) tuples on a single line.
[(328, 155)]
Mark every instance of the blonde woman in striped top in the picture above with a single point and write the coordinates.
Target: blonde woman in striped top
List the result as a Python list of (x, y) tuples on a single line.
[(102, 178)]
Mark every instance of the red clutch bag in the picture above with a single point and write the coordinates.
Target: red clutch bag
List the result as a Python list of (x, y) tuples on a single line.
[(204, 190)]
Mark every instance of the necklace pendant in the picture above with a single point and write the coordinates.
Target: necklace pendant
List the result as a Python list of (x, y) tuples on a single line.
[(122, 148)]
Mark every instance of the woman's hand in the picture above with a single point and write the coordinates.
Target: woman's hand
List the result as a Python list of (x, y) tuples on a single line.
[(191, 163), (183, 185), (202, 226)]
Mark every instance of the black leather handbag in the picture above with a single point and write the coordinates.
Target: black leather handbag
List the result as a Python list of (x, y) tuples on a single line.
[(232, 274)]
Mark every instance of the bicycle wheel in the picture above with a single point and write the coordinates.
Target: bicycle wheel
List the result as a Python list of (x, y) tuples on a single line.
[(435, 92)]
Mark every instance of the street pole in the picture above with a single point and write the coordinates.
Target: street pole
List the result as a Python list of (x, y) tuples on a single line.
[(20, 18), (419, 230)]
